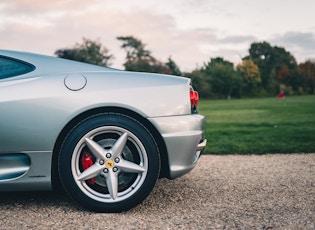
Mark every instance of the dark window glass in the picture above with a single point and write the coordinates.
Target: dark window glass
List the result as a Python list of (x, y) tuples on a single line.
[(11, 67)]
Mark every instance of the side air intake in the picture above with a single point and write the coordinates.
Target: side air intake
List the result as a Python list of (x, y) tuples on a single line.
[(13, 166)]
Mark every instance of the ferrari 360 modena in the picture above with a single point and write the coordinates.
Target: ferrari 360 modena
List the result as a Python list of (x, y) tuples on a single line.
[(103, 135)]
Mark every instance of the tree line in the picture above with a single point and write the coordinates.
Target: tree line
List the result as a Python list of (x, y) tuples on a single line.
[(266, 71)]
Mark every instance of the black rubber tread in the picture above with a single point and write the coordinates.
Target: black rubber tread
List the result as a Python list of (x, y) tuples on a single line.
[(100, 120)]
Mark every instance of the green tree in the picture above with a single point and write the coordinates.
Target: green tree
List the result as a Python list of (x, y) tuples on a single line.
[(307, 73), (174, 69), (286, 68), (88, 51), (262, 55), (251, 77), (277, 66), (138, 58), (222, 78), (199, 83), (134, 47)]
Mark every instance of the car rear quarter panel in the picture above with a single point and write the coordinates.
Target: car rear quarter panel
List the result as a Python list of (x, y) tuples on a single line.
[(34, 111)]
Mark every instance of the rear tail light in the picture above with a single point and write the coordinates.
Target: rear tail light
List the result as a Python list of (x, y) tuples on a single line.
[(194, 100)]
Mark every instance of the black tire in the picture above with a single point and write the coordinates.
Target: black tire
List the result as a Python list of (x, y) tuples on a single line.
[(119, 158)]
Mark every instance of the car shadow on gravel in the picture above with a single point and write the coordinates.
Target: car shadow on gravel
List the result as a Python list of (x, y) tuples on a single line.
[(37, 199)]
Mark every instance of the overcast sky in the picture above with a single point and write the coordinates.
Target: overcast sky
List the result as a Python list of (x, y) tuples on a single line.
[(190, 31)]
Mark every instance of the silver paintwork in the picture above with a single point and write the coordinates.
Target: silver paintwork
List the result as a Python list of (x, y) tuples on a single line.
[(182, 135), (13, 166), (35, 107), (38, 176)]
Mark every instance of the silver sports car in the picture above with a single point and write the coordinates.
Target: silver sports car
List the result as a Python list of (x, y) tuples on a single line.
[(103, 135)]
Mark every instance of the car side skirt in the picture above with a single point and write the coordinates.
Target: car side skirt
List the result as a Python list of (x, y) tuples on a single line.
[(25, 171)]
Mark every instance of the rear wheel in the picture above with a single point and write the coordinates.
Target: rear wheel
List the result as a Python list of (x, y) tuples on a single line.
[(109, 163)]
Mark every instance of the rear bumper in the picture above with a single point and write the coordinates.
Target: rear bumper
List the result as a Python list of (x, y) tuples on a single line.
[(184, 139)]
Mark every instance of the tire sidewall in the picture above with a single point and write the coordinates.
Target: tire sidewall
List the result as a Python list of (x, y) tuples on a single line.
[(101, 120)]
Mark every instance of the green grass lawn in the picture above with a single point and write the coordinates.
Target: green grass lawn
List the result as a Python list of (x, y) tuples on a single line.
[(259, 126)]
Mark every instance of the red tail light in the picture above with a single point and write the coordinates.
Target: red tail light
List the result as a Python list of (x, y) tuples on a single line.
[(194, 100), (192, 97)]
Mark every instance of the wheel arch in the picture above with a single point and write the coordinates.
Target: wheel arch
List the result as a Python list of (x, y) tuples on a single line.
[(164, 172)]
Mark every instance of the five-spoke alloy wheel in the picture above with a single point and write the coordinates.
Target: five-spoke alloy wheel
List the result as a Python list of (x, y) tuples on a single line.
[(109, 163)]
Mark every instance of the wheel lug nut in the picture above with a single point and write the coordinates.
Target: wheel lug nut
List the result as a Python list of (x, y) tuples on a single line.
[(105, 170), (115, 169), (101, 162), (108, 155), (117, 160)]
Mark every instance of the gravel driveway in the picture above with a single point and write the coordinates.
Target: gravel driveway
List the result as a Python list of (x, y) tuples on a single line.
[(222, 192)]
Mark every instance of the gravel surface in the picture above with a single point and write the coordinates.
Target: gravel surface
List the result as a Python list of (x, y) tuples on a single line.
[(222, 192)]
